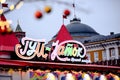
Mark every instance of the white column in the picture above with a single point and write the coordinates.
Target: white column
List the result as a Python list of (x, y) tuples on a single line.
[(116, 53), (108, 53)]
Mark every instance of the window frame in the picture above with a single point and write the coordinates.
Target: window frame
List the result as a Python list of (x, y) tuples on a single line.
[(96, 56)]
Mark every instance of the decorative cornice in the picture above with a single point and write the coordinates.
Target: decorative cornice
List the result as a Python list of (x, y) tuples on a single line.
[(102, 45)]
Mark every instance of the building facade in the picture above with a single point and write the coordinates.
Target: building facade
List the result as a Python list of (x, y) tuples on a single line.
[(102, 51)]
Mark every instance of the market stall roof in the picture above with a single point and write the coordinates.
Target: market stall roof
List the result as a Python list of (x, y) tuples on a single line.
[(63, 34), (7, 62), (8, 42), (57, 65)]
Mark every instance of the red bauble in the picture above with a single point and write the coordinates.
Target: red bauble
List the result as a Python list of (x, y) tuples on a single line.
[(38, 14), (67, 12)]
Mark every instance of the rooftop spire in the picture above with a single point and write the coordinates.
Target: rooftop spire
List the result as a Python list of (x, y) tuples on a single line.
[(75, 18), (18, 28), (74, 8)]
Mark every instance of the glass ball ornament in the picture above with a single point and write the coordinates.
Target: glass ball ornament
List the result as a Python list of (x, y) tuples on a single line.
[(38, 14), (67, 12), (47, 9)]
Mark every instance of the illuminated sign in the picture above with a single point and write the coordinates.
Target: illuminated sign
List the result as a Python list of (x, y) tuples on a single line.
[(70, 50), (29, 48)]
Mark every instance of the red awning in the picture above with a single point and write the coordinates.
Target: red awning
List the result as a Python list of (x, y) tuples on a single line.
[(7, 62), (55, 65)]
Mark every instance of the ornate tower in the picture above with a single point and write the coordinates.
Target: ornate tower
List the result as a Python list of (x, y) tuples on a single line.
[(19, 33)]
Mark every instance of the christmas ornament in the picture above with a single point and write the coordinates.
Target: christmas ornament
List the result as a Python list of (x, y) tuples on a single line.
[(2, 30), (67, 12), (1, 11), (9, 30), (38, 14), (2, 1), (12, 7), (47, 9), (50, 76)]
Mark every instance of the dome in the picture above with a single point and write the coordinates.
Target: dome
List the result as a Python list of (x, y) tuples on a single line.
[(76, 28)]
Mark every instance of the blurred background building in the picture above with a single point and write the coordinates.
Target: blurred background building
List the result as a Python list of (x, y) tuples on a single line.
[(103, 52), (100, 49)]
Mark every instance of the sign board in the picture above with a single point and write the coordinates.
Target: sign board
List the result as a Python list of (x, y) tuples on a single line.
[(66, 51)]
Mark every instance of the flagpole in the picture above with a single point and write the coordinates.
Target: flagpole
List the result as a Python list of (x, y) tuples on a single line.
[(63, 19), (74, 8)]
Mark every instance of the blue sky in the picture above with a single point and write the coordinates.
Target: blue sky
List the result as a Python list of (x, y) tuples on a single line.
[(101, 15)]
